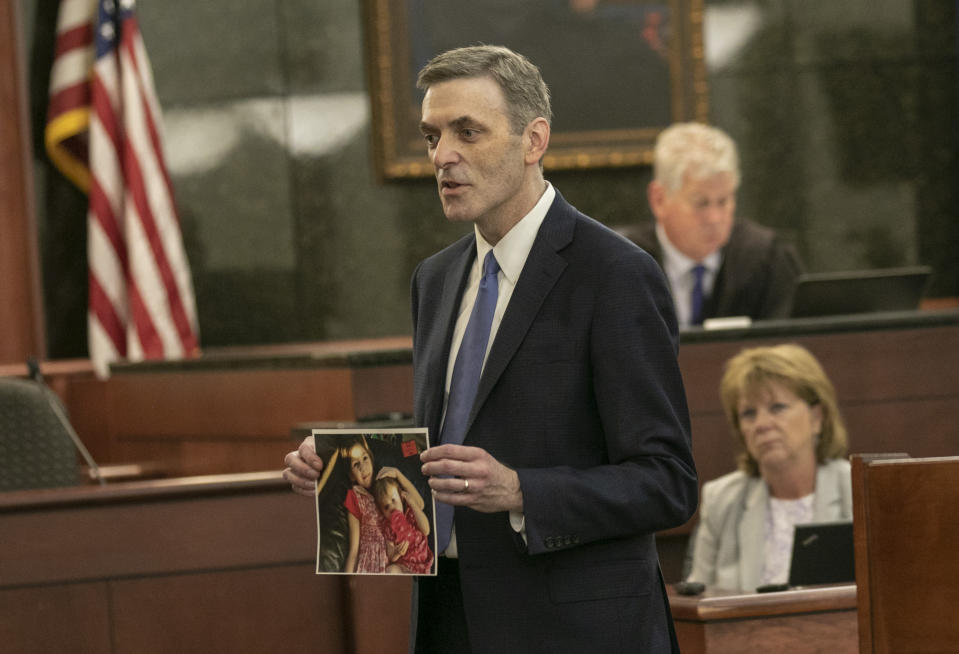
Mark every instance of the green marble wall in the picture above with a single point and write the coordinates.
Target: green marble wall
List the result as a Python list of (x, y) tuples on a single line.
[(847, 115)]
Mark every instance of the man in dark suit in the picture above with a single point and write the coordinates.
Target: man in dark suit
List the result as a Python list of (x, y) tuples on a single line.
[(574, 448), (717, 265)]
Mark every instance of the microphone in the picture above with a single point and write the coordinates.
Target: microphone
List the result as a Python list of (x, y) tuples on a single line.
[(34, 369)]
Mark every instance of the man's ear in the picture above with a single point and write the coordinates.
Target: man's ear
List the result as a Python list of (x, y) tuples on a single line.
[(536, 140), (656, 195)]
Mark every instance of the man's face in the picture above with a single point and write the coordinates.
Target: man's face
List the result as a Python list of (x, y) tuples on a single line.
[(698, 217), (477, 160)]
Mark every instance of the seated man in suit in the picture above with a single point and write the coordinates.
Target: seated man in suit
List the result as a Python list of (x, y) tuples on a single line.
[(717, 265)]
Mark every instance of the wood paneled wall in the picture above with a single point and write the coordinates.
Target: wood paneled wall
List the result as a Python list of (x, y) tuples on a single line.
[(223, 564), (898, 388), (21, 318)]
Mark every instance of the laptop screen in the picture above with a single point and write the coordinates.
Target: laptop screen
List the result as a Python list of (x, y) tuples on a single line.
[(860, 291), (822, 554)]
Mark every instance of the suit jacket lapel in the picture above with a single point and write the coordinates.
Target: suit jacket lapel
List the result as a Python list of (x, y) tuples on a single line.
[(827, 502), (751, 541), (543, 267), (439, 354)]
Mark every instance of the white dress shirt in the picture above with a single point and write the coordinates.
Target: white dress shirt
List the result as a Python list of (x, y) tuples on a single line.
[(782, 516), (679, 271), (511, 253)]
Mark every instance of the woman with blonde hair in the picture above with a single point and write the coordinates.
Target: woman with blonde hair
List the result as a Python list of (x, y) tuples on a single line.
[(784, 416)]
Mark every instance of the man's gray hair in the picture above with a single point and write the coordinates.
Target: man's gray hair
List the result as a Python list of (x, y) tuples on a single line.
[(695, 149), (526, 94)]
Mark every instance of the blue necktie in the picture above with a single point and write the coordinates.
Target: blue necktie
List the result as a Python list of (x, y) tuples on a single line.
[(696, 301), (466, 376)]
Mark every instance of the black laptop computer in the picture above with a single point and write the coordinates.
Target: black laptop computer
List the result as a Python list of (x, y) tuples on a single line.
[(822, 554), (859, 291)]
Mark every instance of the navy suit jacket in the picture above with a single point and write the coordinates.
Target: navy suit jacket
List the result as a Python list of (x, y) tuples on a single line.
[(582, 396)]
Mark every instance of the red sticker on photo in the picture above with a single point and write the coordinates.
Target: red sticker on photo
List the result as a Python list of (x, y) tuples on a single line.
[(409, 448)]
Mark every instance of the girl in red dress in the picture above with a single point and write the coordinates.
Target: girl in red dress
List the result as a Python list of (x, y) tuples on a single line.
[(408, 528)]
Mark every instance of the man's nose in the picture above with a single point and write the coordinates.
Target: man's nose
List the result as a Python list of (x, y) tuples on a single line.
[(444, 153), (714, 213)]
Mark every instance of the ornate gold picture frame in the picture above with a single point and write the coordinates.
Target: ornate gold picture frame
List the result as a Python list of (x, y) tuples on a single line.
[(619, 71)]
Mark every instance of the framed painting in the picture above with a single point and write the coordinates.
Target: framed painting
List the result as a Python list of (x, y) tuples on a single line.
[(619, 71)]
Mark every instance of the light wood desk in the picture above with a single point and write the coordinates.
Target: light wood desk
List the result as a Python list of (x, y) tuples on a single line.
[(821, 619)]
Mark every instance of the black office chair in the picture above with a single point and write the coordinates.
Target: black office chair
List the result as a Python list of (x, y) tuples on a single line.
[(36, 450)]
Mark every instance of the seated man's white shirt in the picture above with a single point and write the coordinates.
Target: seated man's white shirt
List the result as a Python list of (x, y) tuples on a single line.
[(679, 271)]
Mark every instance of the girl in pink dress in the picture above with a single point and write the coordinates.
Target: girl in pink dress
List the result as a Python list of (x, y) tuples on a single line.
[(408, 528)]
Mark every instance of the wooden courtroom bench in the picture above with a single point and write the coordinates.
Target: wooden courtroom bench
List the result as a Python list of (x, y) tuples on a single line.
[(224, 563)]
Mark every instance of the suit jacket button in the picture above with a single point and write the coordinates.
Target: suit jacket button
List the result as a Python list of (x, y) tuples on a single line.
[(550, 542)]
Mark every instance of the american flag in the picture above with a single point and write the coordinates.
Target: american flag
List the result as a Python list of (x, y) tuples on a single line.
[(103, 132)]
